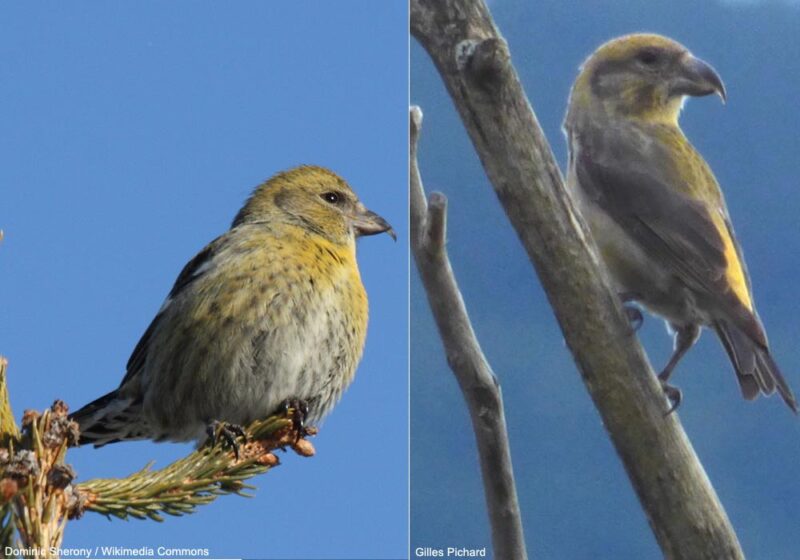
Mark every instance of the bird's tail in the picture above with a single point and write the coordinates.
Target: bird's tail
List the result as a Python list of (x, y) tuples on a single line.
[(755, 369), (110, 419)]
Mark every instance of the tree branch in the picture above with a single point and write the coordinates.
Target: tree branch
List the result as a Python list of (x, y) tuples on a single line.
[(195, 480), (475, 377), (474, 62), (38, 497)]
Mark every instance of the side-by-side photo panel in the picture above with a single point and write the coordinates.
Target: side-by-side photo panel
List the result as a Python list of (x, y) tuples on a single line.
[(204, 342), (583, 176)]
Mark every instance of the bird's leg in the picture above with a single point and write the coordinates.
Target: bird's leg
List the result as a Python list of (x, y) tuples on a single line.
[(685, 337), (217, 430), (299, 408), (635, 317)]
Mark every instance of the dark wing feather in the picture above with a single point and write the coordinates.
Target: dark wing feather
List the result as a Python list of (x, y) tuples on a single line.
[(191, 272), (668, 225), (679, 232)]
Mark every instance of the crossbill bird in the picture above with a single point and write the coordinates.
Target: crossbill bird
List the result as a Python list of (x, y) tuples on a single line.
[(655, 209), (272, 311)]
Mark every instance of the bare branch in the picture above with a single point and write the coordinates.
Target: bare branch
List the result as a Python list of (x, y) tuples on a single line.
[(475, 377), (473, 60)]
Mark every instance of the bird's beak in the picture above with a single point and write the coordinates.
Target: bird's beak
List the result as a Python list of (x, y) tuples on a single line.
[(697, 78), (367, 222)]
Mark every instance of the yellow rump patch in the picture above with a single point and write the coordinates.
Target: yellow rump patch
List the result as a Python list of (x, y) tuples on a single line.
[(734, 272)]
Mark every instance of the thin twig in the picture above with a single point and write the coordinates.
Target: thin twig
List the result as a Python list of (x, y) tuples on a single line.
[(38, 496), (195, 480), (475, 377)]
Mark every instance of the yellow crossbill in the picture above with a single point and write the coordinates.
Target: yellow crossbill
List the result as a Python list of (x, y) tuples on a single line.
[(271, 311), (654, 207)]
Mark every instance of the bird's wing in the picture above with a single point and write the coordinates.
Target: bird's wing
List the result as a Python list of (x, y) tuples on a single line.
[(695, 243), (194, 269)]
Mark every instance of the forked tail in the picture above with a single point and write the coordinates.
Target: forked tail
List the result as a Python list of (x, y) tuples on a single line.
[(755, 369)]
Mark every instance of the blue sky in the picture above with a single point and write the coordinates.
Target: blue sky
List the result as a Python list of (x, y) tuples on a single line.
[(132, 133), (575, 497)]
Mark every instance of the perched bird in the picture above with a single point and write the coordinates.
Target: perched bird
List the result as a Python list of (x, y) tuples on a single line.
[(272, 311), (654, 207)]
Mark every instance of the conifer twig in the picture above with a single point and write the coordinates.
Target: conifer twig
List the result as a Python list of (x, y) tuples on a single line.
[(8, 427), (38, 497), (9, 434), (194, 480)]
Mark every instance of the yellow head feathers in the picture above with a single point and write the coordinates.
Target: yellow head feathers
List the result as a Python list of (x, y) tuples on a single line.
[(642, 76), (316, 199)]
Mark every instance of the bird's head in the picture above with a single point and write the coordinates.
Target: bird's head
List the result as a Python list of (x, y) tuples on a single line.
[(643, 76), (316, 199)]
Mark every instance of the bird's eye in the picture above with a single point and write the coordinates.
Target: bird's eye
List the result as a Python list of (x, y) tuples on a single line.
[(648, 57), (332, 197)]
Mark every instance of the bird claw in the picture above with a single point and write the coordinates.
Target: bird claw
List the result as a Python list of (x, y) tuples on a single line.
[(299, 413), (635, 317), (673, 395), (228, 433)]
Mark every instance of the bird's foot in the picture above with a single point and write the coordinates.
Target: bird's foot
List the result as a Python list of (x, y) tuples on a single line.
[(673, 395), (635, 317), (297, 411), (226, 432)]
